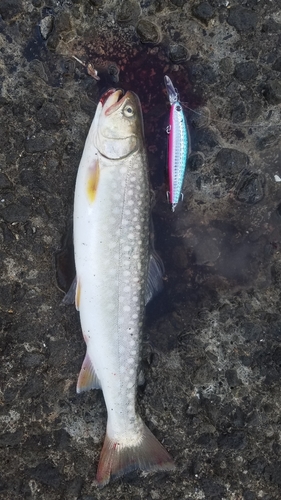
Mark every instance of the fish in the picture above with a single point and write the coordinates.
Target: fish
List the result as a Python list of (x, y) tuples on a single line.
[(178, 145), (117, 273)]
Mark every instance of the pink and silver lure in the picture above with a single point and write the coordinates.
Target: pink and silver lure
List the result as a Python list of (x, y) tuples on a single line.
[(178, 145)]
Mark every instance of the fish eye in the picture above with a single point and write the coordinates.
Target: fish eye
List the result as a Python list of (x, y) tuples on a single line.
[(178, 108), (128, 111)]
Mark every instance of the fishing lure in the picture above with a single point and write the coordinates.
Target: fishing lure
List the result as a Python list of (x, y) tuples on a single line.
[(178, 145)]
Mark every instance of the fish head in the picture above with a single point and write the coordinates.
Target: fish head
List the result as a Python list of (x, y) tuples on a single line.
[(119, 130)]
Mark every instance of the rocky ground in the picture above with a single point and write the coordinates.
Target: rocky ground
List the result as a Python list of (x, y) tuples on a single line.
[(212, 342)]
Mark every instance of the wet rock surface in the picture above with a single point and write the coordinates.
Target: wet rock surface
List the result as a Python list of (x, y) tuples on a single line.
[(212, 341)]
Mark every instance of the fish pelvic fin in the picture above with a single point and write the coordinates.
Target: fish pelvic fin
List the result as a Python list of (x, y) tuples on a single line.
[(117, 459), (87, 377), (69, 297)]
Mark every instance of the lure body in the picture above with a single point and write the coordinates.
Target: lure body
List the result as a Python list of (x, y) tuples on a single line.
[(178, 145)]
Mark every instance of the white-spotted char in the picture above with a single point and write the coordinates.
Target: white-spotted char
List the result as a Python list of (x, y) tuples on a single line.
[(116, 274)]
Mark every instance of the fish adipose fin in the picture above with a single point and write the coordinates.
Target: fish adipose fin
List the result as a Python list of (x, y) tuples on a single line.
[(117, 459), (69, 297), (87, 377), (154, 283)]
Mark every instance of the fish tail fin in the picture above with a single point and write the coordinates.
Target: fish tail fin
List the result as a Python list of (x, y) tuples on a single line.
[(117, 459)]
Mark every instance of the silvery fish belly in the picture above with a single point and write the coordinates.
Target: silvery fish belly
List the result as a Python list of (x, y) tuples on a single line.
[(117, 273)]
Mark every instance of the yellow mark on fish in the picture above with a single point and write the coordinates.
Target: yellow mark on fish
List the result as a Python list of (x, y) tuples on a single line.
[(92, 181), (77, 295)]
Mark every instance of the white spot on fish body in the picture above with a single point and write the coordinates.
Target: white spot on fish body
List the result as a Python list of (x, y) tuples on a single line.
[(112, 245), (126, 308), (112, 271)]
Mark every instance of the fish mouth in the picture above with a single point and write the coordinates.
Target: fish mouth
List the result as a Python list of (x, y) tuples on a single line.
[(115, 101), (106, 95)]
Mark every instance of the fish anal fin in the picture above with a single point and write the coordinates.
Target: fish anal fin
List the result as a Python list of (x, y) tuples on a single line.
[(116, 459), (87, 377), (154, 283), (93, 176)]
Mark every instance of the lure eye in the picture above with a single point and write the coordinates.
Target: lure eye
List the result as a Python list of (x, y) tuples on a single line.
[(178, 108), (128, 111)]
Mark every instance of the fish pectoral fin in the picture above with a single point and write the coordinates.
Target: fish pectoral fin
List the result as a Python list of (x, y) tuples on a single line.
[(118, 459), (154, 283), (87, 377), (69, 297)]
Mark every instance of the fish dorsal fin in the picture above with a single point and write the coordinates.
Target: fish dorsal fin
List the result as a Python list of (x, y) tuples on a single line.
[(141, 379), (87, 377), (154, 283), (69, 297)]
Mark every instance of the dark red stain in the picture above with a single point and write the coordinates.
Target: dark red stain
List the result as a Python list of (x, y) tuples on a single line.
[(141, 68)]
